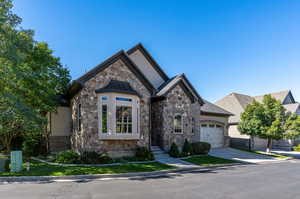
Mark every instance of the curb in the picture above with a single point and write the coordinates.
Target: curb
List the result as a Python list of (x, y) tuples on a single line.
[(135, 175)]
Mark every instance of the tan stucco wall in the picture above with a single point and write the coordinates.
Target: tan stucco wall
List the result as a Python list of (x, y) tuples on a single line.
[(234, 132), (142, 63), (61, 122)]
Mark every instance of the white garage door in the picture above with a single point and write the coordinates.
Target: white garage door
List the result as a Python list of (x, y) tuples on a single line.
[(213, 134)]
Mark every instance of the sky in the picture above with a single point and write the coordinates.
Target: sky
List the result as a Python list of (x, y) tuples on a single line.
[(223, 46)]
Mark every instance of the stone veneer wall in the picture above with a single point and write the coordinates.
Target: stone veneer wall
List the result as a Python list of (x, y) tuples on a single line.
[(87, 138), (176, 102)]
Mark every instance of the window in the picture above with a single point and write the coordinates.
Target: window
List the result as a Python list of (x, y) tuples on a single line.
[(203, 125), (123, 119), (218, 126), (79, 117), (104, 118), (211, 125), (118, 116), (178, 124), (123, 99)]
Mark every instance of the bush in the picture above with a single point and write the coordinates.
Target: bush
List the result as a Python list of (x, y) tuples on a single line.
[(89, 157), (187, 148), (296, 148), (67, 157), (104, 158), (6, 165), (92, 157), (143, 154), (200, 147), (32, 146), (174, 152)]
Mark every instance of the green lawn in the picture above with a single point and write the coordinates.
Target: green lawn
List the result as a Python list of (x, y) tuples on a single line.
[(43, 169), (264, 153), (207, 160)]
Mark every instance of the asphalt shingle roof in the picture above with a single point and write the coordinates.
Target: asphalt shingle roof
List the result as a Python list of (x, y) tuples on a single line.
[(281, 95), (118, 87), (214, 109)]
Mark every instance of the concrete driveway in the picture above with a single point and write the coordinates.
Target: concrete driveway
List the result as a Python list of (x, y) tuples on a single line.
[(234, 154)]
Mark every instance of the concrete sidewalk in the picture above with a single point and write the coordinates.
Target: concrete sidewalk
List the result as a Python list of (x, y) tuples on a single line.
[(243, 156), (293, 154)]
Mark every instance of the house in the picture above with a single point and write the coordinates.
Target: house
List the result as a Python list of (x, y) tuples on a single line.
[(236, 104), (129, 101)]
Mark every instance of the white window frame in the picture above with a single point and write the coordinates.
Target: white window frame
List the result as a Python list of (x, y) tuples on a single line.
[(181, 116), (112, 104)]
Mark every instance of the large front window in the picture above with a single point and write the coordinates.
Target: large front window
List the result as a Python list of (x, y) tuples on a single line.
[(118, 116), (124, 119)]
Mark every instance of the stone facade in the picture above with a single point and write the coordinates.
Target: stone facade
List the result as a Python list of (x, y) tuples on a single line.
[(88, 137), (176, 102)]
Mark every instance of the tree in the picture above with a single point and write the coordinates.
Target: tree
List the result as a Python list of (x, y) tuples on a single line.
[(31, 79), (251, 121), (292, 126), (269, 120)]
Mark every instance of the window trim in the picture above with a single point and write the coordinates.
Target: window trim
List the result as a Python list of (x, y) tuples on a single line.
[(112, 104), (181, 123)]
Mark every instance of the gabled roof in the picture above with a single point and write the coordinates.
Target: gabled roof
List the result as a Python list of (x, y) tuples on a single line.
[(281, 96), (212, 109), (121, 55), (292, 107), (118, 87), (150, 59), (236, 103), (171, 83)]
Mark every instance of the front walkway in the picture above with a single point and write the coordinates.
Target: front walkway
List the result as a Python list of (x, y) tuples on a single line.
[(163, 157), (243, 156), (176, 162)]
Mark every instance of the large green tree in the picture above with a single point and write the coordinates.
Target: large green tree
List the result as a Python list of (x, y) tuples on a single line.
[(269, 120), (30, 79)]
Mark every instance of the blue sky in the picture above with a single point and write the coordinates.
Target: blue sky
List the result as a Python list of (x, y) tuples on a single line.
[(246, 46)]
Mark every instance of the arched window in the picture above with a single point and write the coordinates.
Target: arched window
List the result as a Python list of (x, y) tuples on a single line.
[(178, 124)]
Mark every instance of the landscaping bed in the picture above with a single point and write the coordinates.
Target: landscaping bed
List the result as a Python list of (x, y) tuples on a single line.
[(44, 169), (207, 160)]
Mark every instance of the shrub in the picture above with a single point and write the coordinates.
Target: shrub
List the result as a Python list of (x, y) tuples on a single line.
[(89, 157), (296, 148), (32, 146), (187, 148), (6, 165), (200, 147), (67, 157), (104, 158), (174, 152), (143, 154)]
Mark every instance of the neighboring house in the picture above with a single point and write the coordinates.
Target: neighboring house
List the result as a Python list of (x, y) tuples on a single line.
[(129, 101), (236, 104)]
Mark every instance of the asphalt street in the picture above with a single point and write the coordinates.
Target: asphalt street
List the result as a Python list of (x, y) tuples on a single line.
[(273, 180)]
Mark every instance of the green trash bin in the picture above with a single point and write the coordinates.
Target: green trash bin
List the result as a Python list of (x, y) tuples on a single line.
[(16, 161)]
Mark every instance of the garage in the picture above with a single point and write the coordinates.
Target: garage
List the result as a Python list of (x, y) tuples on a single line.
[(213, 134)]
